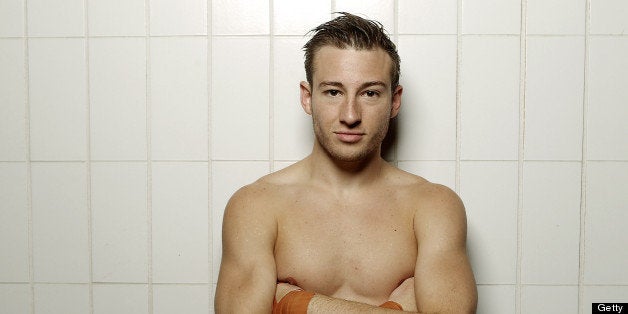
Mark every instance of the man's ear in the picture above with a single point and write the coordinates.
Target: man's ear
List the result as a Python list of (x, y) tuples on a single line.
[(306, 97), (396, 101)]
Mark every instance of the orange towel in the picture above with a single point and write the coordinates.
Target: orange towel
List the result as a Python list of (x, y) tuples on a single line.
[(295, 302)]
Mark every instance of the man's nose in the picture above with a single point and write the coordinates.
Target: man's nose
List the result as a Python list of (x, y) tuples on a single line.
[(350, 113)]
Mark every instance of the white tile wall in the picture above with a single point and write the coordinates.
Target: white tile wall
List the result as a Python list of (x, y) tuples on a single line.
[(609, 17), (180, 222), (51, 18), (178, 93), (13, 99), (299, 17), (181, 299), (15, 298), (120, 299), (489, 83), (125, 126), (58, 99), (60, 222), (489, 190), (555, 17), (496, 299), (61, 298), (12, 18), (119, 222), (549, 299), (491, 17), (240, 117), (429, 108), (605, 236), (117, 17), (118, 107), (554, 102), (13, 223), (252, 17), (608, 78), (293, 136), (550, 223), (169, 17), (428, 17)]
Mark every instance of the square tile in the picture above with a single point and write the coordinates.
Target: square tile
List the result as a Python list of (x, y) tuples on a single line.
[(496, 299), (56, 18), (172, 17), (12, 18), (606, 111), (62, 298), (118, 98), (298, 17), (489, 191), (427, 120), (441, 172), (119, 222), (428, 17), (15, 298), (227, 178), (14, 223), (600, 294), (240, 119), (60, 222), (179, 98), (491, 16), (170, 299), (13, 99), (117, 17), (489, 92), (120, 299), (58, 96), (382, 11), (605, 251), (240, 17), (609, 17), (563, 17), (180, 222), (554, 101), (549, 299), (293, 137), (551, 223)]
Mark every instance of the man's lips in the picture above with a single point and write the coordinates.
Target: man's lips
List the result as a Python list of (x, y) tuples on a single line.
[(349, 137)]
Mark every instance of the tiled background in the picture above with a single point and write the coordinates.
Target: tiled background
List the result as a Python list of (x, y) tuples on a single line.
[(125, 125)]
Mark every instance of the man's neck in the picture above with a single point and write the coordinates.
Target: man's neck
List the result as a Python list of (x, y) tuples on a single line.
[(344, 175)]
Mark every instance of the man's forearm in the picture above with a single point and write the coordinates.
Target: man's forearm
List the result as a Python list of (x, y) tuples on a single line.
[(324, 304)]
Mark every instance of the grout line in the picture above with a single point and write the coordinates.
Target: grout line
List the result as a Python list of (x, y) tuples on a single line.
[(271, 89), (88, 165), (521, 154), (583, 169), (29, 175), (210, 218), (149, 165), (458, 95)]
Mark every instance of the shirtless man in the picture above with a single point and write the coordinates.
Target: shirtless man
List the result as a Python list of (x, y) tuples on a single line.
[(342, 230)]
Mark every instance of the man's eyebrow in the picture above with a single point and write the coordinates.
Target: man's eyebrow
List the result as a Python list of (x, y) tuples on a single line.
[(363, 86)]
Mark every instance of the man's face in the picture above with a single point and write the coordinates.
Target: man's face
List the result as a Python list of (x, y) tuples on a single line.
[(351, 101)]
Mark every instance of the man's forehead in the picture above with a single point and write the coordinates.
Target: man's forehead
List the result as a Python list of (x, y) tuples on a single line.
[(331, 64)]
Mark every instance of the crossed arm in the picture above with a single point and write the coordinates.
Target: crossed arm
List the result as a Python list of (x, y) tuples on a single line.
[(443, 281)]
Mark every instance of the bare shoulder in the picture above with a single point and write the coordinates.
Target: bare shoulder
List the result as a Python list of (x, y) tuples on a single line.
[(434, 204), (262, 196)]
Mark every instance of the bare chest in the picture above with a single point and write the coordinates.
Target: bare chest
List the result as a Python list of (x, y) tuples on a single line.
[(359, 251)]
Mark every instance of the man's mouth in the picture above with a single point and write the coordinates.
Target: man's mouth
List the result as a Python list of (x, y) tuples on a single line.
[(349, 137)]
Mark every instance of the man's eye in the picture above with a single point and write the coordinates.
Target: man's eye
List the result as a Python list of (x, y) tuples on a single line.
[(333, 92), (371, 93)]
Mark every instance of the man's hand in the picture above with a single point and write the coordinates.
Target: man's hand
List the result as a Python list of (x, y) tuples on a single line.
[(404, 295)]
